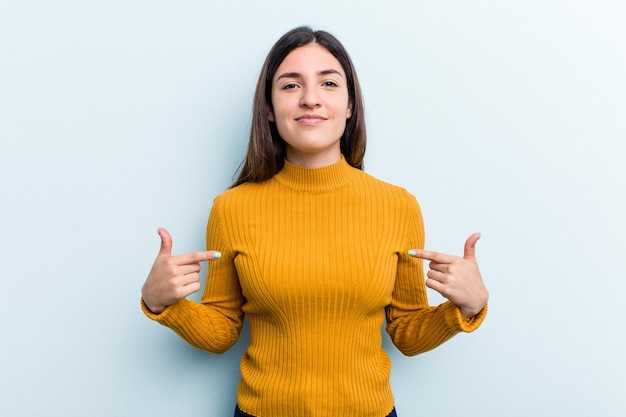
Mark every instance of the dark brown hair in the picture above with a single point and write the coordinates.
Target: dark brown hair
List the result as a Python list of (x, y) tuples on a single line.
[(266, 149)]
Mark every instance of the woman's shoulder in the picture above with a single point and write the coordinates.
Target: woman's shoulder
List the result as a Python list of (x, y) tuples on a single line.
[(239, 194), (381, 186)]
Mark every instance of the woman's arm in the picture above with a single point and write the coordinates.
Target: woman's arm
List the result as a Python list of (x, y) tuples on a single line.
[(414, 325), (215, 323)]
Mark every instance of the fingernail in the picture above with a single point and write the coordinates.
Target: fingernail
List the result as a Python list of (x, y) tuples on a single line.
[(217, 255), (412, 253)]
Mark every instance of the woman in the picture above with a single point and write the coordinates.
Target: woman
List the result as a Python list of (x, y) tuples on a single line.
[(317, 253)]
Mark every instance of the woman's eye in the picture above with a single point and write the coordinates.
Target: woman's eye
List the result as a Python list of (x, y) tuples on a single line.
[(289, 86), (329, 84)]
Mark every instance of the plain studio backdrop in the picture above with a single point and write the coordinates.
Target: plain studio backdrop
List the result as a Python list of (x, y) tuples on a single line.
[(118, 117)]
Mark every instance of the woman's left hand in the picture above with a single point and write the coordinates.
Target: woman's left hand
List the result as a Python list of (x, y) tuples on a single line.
[(457, 279)]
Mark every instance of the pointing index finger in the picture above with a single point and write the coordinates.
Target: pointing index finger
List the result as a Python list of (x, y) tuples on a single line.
[(430, 255), (197, 257)]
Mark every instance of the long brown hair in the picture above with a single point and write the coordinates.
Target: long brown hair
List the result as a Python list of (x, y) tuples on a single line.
[(266, 149)]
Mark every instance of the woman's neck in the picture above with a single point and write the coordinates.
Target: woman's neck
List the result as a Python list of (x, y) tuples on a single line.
[(321, 179), (313, 160)]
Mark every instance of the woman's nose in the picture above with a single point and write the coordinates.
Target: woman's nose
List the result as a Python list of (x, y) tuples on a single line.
[(310, 98)]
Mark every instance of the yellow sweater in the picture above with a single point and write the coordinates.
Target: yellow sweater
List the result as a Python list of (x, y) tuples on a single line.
[(316, 258)]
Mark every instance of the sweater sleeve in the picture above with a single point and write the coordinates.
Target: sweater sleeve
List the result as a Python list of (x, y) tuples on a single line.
[(213, 324), (415, 326)]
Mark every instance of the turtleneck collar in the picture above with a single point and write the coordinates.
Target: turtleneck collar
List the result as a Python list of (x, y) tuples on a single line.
[(316, 180)]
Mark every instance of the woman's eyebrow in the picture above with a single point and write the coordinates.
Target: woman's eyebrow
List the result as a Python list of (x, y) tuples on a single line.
[(331, 71), (298, 75), (289, 75)]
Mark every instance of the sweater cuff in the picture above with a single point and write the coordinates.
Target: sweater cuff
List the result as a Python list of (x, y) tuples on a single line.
[(467, 325), (165, 315), (148, 312)]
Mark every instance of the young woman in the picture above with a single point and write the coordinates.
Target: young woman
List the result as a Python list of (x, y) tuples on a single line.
[(317, 253)]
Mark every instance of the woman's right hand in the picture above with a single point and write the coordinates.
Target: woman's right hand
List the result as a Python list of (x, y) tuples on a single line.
[(173, 278)]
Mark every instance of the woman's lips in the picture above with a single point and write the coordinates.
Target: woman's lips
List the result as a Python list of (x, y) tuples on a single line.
[(310, 119)]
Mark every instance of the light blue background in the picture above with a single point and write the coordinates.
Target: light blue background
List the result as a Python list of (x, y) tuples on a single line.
[(118, 117)]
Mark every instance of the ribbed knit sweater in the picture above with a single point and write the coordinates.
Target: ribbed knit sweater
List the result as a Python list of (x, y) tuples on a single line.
[(317, 259)]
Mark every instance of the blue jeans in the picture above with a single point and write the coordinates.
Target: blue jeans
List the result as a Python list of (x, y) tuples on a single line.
[(239, 413)]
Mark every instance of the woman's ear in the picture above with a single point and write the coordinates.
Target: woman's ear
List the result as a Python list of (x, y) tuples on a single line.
[(349, 111), (271, 117)]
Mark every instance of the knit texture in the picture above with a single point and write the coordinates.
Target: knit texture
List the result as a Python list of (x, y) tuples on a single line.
[(317, 259)]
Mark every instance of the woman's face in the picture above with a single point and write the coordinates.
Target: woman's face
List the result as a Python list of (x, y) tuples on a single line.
[(311, 105)]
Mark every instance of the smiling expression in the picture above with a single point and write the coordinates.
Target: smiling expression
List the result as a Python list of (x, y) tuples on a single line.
[(310, 105)]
